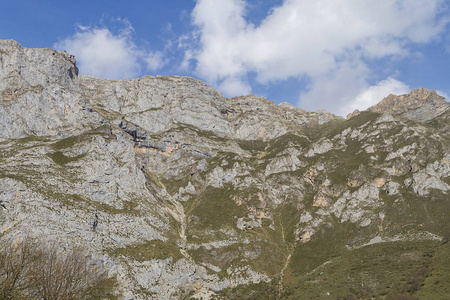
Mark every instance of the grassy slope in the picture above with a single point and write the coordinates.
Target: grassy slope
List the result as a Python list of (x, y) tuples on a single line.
[(326, 265)]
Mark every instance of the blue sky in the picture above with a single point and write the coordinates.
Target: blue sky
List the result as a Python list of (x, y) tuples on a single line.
[(315, 54)]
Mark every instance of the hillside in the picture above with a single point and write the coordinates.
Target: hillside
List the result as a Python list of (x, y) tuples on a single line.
[(181, 192)]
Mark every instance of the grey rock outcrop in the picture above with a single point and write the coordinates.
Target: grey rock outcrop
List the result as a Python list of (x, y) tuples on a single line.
[(420, 105), (40, 93)]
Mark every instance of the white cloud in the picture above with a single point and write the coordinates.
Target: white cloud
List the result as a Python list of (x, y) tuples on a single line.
[(155, 60), (235, 87), (375, 94), (315, 39), (101, 53), (443, 94), (337, 88), (357, 93)]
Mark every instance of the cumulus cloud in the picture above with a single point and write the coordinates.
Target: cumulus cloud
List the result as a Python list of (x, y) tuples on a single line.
[(155, 60), (105, 54), (334, 90), (314, 39), (443, 94), (235, 86), (374, 94), (346, 89)]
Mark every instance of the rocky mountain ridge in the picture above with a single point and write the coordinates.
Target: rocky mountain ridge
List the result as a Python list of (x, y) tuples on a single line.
[(196, 195), (419, 105)]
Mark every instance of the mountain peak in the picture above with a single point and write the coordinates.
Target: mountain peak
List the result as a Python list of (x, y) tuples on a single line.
[(419, 104)]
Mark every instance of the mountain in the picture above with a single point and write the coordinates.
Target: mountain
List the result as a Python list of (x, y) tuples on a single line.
[(180, 192)]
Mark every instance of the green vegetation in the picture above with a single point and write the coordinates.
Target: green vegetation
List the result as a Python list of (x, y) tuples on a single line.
[(215, 209), (334, 128), (105, 113), (172, 185), (345, 162), (436, 282), (22, 143), (440, 122), (260, 256), (65, 143), (279, 144), (262, 290), (330, 129), (128, 207), (390, 270), (71, 141), (155, 249), (253, 145), (324, 245), (199, 132), (375, 271), (288, 218), (230, 157), (59, 158), (418, 213)]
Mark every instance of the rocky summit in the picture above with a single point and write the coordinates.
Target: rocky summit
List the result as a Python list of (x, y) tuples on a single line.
[(181, 193)]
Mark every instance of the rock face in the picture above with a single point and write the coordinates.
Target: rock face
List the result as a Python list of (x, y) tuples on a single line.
[(181, 192), (46, 75), (419, 105)]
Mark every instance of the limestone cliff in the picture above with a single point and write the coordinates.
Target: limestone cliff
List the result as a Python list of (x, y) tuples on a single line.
[(181, 192), (419, 105)]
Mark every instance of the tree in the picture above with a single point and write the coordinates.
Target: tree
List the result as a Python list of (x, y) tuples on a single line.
[(32, 270), (16, 261)]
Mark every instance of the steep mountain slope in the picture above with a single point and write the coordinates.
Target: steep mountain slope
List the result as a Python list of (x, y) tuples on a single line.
[(181, 192)]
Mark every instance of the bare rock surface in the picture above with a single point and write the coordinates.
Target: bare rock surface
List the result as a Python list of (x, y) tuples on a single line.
[(40, 93), (419, 105)]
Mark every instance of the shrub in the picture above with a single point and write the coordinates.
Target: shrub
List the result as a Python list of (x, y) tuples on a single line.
[(16, 263), (32, 270)]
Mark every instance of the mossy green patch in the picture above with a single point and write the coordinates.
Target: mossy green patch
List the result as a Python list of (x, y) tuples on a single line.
[(261, 256), (106, 289), (32, 138), (288, 218), (215, 209), (334, 127), (436, 284), (346, 161), (155, 249), (71, 141), (258, 291), (356, 121), (280, 144), (225, 160), (324, 245), (373, 271), (253, 145), (413, 212), (199, 132), (21, 144), (66, 143), (172, 185), (439, 122), (128, 207), (107, 114), (59, 158)]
